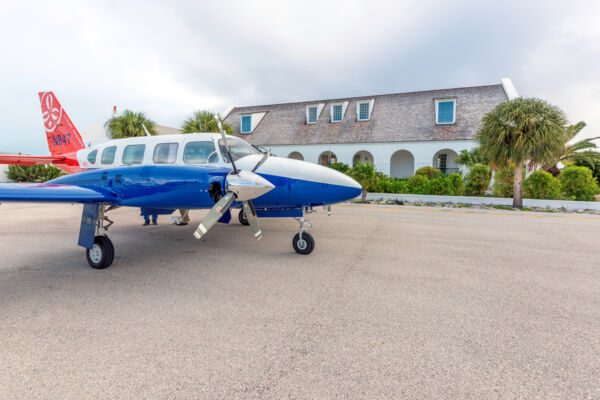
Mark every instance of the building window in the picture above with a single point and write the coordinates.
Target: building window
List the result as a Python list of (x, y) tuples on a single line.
[(246, 124), (108, 155), (133, 154), (92, 156), (336, 113), (442, 162), (363, 111), (445, 110), (165, 153), (311, 117), (327, 158)]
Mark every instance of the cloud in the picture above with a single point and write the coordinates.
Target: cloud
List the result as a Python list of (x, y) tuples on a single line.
[(169, 59)]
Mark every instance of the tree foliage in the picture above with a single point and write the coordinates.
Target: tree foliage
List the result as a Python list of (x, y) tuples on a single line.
[(578, 183), (468, 158), (203, 121), (580, 152), (129, 124), (33, 173), (519, 131), (477, 180), (365, 175)]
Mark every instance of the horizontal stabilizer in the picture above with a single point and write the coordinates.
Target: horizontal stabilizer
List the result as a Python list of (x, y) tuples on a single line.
[(41, 192), (28, 160)]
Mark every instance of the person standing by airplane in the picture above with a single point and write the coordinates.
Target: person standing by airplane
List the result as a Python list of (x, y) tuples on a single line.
[(147, 213)]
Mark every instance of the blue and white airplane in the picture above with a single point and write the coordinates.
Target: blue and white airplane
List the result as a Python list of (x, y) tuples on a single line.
[(175, 172)]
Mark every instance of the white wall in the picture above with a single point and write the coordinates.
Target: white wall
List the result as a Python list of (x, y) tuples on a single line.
[(3, 169), (423, 152)]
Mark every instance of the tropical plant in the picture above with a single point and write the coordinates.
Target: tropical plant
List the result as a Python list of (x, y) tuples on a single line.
[(204, 121), (477, 180), (542, 185), (33, 173), (129, 124), (456, 184), (427, 171), (578, 183), (418, 184), (503, 182), (341, 167), (365, 175), (579, 152), (519, 131), (468, 158)]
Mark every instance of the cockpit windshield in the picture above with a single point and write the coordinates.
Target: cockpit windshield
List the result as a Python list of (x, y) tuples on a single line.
[(238, 148)]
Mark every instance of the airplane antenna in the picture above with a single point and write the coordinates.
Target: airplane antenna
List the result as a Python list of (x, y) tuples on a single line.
[(224, 135), (146, 130)]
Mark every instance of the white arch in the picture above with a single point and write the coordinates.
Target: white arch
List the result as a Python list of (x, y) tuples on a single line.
[(402, 164), (363, 156), (445, 161), (296, 155), (325, 158)]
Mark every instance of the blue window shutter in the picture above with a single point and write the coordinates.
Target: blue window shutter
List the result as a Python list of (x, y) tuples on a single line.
[(445, 112), (246, 123)]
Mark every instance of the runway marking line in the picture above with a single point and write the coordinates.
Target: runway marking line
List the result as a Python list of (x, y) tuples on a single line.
[(470, 212)]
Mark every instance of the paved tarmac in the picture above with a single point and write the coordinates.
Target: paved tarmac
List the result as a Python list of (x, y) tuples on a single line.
[(395, 302)]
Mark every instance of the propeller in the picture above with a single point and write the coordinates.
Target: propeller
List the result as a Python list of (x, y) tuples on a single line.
[(241, 186)]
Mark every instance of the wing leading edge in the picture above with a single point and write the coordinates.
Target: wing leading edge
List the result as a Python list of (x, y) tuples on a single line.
[(41, 192), (29, 160)]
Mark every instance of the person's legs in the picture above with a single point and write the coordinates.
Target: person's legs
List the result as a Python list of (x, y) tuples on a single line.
[(154, 219), (146, 219)]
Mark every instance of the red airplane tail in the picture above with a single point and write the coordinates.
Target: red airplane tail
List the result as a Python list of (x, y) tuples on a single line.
[(61, 134)]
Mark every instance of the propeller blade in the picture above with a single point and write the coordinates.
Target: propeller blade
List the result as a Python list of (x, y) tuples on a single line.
[(261, 161), (250, 213), (214, 214), (224, 136)]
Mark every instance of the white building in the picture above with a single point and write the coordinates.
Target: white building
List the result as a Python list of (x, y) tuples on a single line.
[(397, 133)]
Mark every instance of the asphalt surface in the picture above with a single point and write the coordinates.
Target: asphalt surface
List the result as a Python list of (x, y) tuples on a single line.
[(395, 302)]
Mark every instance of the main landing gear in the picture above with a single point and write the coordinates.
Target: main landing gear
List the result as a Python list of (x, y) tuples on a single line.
[(242, 218), (102, 253)]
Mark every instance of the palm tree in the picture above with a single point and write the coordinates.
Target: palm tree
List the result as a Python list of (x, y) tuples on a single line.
[(365, 175), (580, 152), (129, 124), (468, 158), (519, 131), (203, 121)]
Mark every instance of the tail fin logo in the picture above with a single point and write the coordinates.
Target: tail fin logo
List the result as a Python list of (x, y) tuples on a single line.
[(51, 111)]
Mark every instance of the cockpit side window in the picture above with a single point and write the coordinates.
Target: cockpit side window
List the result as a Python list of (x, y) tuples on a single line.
[(108, 155), (165, 153), (200, 153), (92, 156), (239, 148)]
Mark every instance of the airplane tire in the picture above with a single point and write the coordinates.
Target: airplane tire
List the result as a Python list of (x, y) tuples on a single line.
[(242, 218), (102, 254), (304, 246)]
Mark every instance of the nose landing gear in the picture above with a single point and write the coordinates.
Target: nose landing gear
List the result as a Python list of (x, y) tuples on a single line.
[(303, 241)]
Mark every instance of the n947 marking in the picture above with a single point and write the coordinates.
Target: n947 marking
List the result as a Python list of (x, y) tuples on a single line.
[(61, 139)]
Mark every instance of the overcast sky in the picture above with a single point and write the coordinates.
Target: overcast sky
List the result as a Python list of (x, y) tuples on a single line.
[(171, 58)]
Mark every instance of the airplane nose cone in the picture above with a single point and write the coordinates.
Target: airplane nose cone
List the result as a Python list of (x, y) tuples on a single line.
[(248, 185)]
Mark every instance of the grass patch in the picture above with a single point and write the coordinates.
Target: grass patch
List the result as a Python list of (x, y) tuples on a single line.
[(502, 207)]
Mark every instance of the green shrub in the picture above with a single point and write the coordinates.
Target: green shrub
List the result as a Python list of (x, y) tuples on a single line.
[(418, 184), (429, 172), (541, 185), (456, 184), (340, 166), (477, 180), (578, 183), (503, 182), (33, 173), (438, 185)]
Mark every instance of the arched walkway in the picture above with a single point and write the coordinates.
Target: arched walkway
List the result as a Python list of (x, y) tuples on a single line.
[(327, 158), (296, 155), (363, 156), (445, 161), (402, 164)]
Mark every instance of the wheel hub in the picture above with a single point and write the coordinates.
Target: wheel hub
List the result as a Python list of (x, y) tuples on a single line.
[(96, 254), (301, 244)]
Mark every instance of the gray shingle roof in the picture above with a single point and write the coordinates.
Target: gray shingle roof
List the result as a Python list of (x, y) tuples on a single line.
[(399, 117)]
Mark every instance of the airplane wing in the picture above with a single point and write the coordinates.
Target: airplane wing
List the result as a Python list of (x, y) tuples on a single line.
[(28, 160), (46, 193)]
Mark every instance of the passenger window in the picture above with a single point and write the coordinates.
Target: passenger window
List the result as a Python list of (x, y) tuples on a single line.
[(165, 153), (133, 154), (200, 153), (92, 156), (108, 155)]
